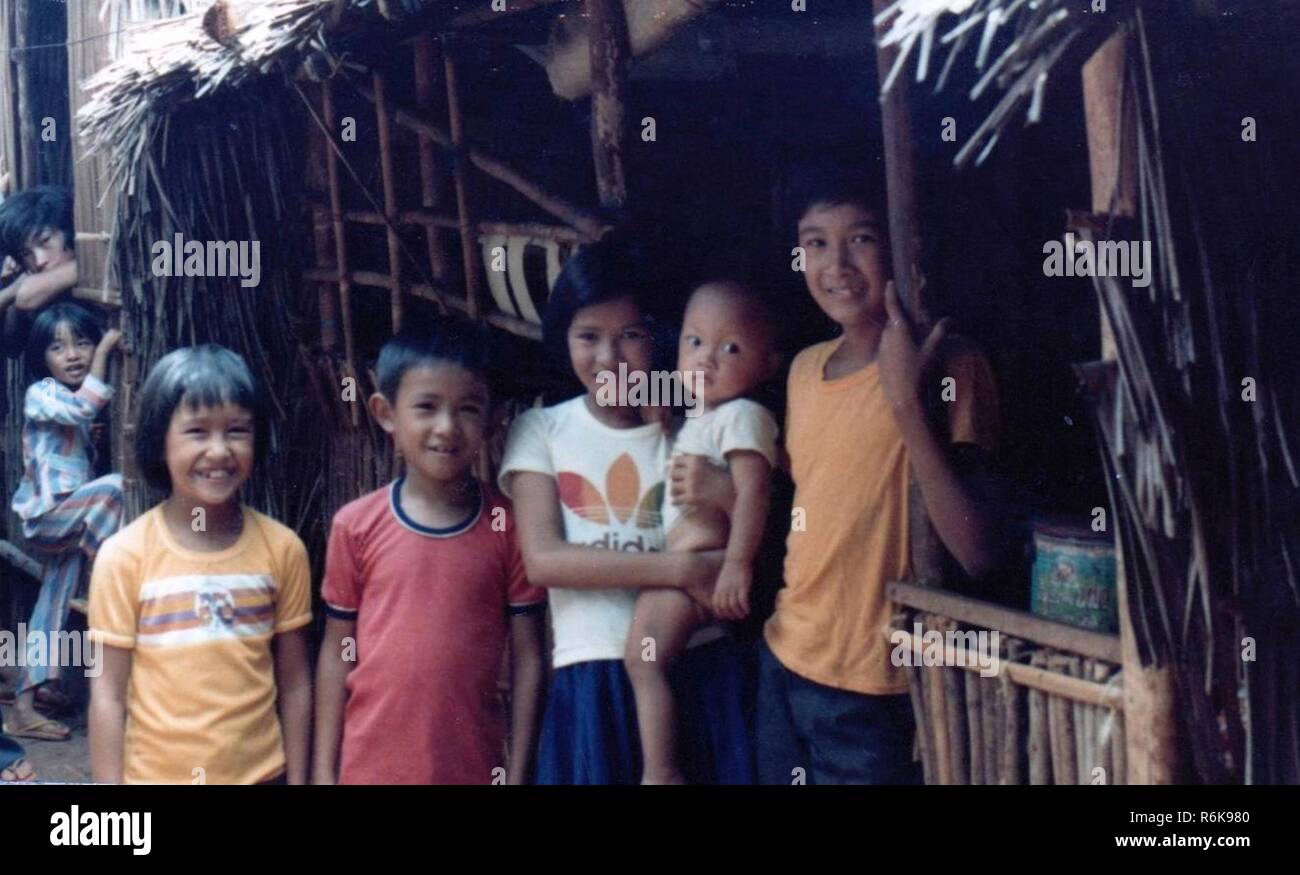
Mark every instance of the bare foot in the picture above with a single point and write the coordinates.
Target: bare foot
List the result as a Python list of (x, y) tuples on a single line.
[(20, 771)]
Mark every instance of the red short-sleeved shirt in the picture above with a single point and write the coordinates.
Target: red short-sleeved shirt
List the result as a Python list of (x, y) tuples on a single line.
[(432, 608)]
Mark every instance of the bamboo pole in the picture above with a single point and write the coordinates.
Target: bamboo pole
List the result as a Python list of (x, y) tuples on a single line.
[(1054, 683), (468, 242), (975, 730), (1040, 744), (610, 50), (591, 228), (924, 739), (389, 182), (989, 714), (1071, 667), (937, 700), (328, 310), (430, 169), (904, 233), (956, 716), (27, 161), (340, 244), (1011, 698), (1149, 702)]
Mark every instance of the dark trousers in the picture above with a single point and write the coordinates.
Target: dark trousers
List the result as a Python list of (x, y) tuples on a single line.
[(814, 734)]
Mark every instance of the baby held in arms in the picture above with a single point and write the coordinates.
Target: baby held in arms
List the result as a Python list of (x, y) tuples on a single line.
[(727, 350)]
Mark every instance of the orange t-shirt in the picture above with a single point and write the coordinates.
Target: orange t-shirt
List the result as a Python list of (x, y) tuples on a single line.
[(202, 693), (849, 533)]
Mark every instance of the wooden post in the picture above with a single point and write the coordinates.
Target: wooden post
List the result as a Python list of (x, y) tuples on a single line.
[(27, 162), (468, 239), (1152, 753), (610, 50), (904, 238), (430, 169), (389, 181)]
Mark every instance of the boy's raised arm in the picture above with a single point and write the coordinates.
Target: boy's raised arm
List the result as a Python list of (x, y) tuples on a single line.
[(35, 290), (527, 687), (293, 683), (551, 561), (107, 723), (332, 667)]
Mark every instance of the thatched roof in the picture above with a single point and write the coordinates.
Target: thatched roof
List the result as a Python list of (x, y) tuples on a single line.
[(224, 45)]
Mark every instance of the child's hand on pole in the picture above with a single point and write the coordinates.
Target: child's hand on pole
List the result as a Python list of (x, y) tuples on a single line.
[(902, 362), (109, 342), (99, 367)]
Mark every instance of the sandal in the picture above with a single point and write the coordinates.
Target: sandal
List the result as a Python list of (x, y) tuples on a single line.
[(41, 730), (14, 773)]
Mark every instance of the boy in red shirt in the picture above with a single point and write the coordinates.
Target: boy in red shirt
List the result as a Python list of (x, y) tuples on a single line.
[(423, 583)]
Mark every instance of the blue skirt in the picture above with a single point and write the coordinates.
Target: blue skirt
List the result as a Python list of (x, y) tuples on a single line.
[(589, 734)]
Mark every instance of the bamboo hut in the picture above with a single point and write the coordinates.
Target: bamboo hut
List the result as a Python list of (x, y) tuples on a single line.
[(397, 155)]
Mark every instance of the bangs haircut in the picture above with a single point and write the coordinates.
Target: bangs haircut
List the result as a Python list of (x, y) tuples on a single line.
[(611, 269), (832, 185), (31, 211), (80, 321), (196, 376), (424, 342)]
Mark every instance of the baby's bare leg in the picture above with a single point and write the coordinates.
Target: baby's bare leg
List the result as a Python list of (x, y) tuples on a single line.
[(661, 627)]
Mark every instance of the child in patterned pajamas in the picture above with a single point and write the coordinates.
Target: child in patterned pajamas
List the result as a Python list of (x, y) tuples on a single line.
[(65, 514)]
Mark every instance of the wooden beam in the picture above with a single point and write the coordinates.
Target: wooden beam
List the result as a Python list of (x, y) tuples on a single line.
[(1008, 621), (591, 227), (609, 52), (430, 166)]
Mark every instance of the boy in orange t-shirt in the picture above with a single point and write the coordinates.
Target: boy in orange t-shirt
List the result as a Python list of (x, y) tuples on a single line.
[(830, 702)]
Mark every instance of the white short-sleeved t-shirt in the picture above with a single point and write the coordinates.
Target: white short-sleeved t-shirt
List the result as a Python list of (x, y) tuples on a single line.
[(611, 488), (739, 424)]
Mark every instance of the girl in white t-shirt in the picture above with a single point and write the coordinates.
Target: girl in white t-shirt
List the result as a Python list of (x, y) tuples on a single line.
[(587, 480)]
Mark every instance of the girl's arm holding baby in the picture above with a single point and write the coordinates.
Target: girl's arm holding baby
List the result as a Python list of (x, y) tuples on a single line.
[(551, 561), (751, 476)]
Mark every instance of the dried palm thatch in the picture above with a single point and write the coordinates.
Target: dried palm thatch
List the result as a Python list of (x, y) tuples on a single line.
[(1208, 505), (226, 170), (1031, 37), (176, 59)]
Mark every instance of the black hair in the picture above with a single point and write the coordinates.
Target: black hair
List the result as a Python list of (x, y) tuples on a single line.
[(608, 270), (27, 212), (426, 341), (79, 320), (196, 376), (832, 184)]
